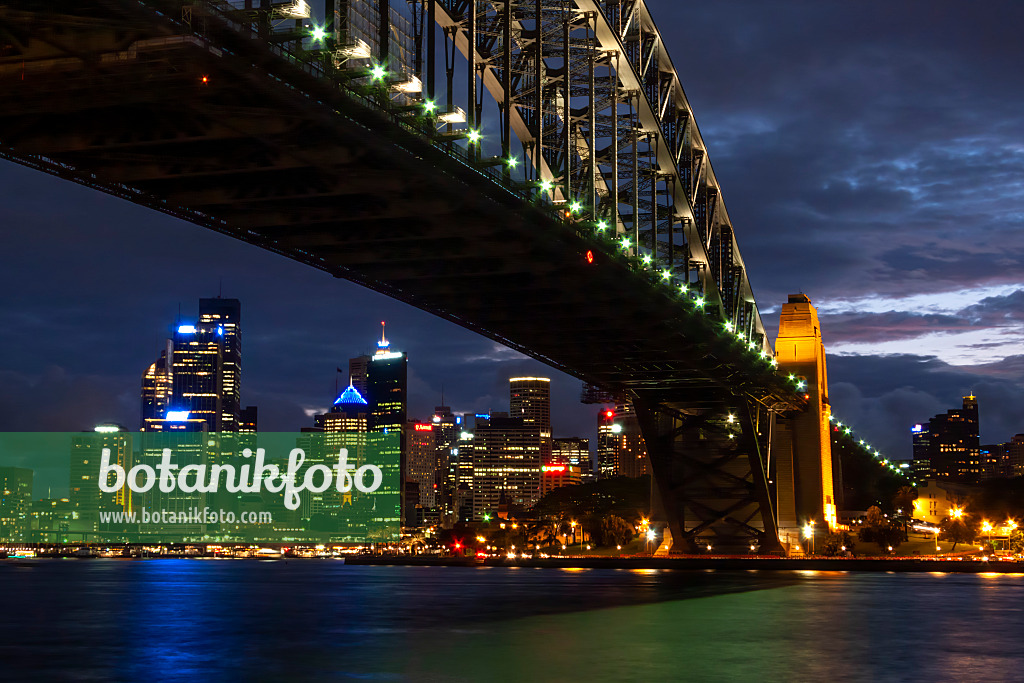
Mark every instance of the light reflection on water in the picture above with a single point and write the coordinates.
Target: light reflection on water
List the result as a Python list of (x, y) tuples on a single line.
[(308, 620)]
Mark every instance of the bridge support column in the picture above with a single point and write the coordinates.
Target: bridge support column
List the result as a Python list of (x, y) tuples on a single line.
[(805, 470), (710, 475)]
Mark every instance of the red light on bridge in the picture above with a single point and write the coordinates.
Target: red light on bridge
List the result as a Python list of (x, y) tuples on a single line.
[(609, 413), (206, 79), (590, 256)]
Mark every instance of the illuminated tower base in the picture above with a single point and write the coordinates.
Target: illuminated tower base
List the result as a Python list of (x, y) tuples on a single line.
[(801, 444)]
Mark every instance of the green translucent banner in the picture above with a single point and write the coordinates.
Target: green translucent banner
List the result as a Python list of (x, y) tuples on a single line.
[(111, 487)]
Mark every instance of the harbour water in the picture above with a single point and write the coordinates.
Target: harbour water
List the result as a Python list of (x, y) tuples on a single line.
[(189, 620)]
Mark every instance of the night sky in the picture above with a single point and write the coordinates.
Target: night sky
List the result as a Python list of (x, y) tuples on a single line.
[(870, 155)]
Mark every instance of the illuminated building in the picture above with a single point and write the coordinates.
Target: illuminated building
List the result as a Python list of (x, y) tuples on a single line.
[(200, 370), (224, 316), (421, 460), (620, 446), (84, 492), (15, 499), (157, 385), (344, 427), (948, 447), (446, 438), (386, 390), (807, 472), (556, 476), (576, 452), (530, 399), (506, 465), (935, 499), (248, 420), (357, 368)]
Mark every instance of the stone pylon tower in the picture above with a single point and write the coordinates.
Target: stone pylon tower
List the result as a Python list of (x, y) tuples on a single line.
[(801, 445)]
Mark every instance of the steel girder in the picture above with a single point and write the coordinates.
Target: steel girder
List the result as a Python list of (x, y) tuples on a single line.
[(624, 141)]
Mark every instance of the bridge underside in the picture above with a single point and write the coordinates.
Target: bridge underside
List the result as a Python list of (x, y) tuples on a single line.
[(223, 133)]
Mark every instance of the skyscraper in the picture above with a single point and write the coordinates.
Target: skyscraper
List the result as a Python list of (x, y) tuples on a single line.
[(225, 316), (506, 464), (620, 446), (949, 447), (530, 400), (386, 389), (576, 452), (157, 385), (86, 497), (198, 374)]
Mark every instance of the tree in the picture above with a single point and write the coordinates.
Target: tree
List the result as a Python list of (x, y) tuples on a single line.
[(615, 530), (903, 504), (833, 544), (878, 529), (958, 529), (1017, 541)]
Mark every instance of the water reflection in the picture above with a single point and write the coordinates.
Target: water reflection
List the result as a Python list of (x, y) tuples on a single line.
[(190, 620)]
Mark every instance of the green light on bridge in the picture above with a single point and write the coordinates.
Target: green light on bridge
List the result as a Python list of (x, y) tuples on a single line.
[(378, 72)]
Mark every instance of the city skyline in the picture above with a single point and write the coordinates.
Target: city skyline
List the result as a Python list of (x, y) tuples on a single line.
[(831, 191)]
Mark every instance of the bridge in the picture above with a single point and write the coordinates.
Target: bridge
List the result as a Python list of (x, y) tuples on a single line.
[(575, 218)]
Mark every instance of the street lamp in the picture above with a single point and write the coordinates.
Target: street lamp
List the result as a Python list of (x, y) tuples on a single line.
[(956, 513), (650, 537), (809, 533), (937, 530)]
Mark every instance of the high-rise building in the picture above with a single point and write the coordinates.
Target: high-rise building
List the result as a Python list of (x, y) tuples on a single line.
[(446, 438), (200, 370), (530, 400), (157, 385), (248, 420), (387, 377), (948, 447), (225, 316), (421, 460), (576, 452), (557, 475), (357, 368), (620, 446), (15, 501), (506, 465), (84, 493)]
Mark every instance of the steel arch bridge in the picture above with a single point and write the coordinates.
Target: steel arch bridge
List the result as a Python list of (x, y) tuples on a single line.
[(575, 218)]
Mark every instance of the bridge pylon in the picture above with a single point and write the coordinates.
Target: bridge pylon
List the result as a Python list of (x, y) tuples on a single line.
[(709, 465), (806, 471)]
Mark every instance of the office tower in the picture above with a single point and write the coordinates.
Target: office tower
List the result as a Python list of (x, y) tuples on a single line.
[(620, 446), (386, 390), (421, 460), (157, 385), (530, 399), (199, 372), (87, 499), (807, 472), (343, 427), (557, 475), (506, 465), (357, 368), (225, 316), (576, 452), (248, 420), (446, 437), (948, 447), (15, 502)]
